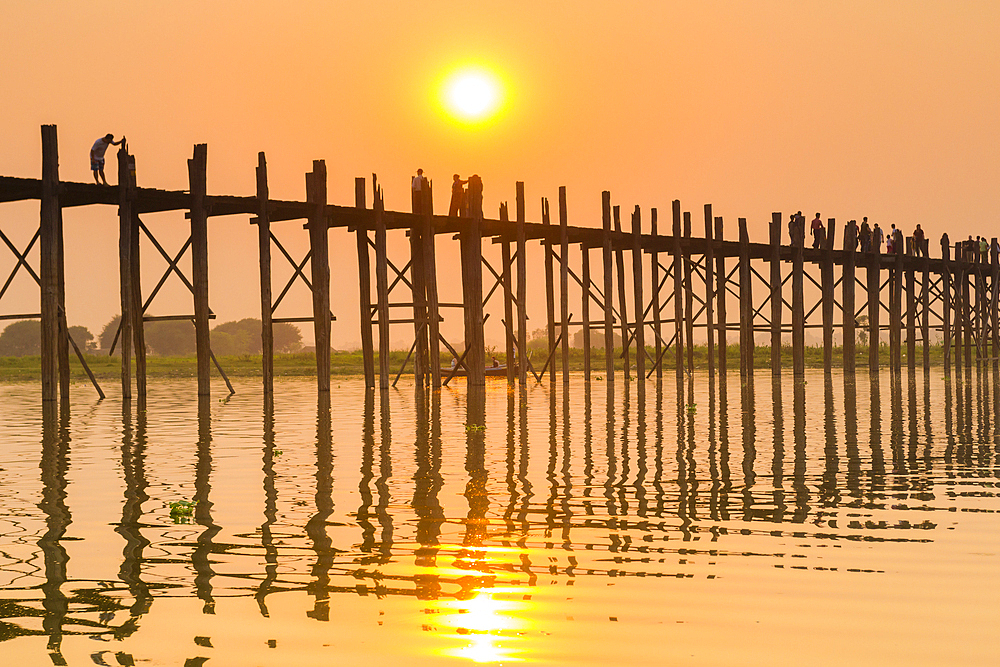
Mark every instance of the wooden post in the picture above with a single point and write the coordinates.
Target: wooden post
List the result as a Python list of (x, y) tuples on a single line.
[(508, 301), (550, 298), (126, 181), (522, 289), (688, 295), (995, 302), (585, 269), (826, 280), (874, 285), (622, 306), (946, 303), (49, 264), (847, 285), (472, 286), (798, 307), (126, 229), (640, 334), (197, 168), (264, 254), (564, 282), (895, 304), (775, 238), (967, 305), (709, 292), (431, 292), (678, 291), (381, 289), (609, 331), (720, 290), (419, 291), (911, 311), (925, 305), (62, 337), (320, 265), (746, 305), (365, 289)]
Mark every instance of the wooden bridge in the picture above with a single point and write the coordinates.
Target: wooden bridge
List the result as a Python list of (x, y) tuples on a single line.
[(680, 284)]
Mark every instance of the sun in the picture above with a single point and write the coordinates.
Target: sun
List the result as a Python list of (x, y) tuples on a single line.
[(472, 94)]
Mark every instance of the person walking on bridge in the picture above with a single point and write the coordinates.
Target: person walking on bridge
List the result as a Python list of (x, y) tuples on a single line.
[(819, 233), (97, 152)]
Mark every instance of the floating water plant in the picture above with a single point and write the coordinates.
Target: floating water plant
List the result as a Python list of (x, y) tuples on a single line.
[(469, 428), (181, 510), (692, 408)]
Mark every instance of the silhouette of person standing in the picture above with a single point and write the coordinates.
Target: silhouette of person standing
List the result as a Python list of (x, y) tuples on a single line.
[(419, 186), (818, 232), (457, 197), (97, 152)]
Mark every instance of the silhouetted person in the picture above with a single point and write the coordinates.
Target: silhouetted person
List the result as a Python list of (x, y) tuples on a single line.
[(877, 237), (918, 241), (97, 152), (890, 242), (817, 232), (418, 186), (457, 197), (865, 235)]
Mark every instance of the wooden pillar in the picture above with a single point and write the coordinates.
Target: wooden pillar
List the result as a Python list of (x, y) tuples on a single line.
[(746, 305), (62, 336), (967, 307), (419, 291), (688, 295), (126, 181), (911, 310), (365, 289), (720, 290), (847, 285), (49, 264), (709, 292), (826, 280), (775, 239), (640, 334), (264, 254), (798, 307), (550, 297), (622, 304), (925, 305), (585, 305), (472, 286), (522, 289), (197, 168), (995, 302), (508, 301), (381, 289), (609, 330), (895, 304), (678, 290), (564, 282), (126, 229), (320, 265), (431, 292), (946, 303), (874, 285)]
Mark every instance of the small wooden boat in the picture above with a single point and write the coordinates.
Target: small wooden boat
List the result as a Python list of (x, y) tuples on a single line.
[(490, 371)]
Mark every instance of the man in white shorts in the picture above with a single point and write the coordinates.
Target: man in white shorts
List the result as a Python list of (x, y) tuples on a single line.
[(97, 152)]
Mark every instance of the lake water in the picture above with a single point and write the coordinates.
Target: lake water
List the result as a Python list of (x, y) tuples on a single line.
[(811, 523)]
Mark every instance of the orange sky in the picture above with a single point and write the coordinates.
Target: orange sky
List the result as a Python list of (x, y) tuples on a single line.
[(884, 109)]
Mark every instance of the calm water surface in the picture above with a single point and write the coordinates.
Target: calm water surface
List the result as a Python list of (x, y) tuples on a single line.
[(819, 523)]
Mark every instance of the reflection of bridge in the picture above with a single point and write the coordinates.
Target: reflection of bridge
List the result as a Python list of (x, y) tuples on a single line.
[(957, 296), (639, 500)]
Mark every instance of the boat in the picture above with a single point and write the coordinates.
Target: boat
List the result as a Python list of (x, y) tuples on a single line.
[(490, 371)]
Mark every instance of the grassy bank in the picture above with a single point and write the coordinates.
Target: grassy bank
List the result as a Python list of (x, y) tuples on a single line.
[(27, 369)]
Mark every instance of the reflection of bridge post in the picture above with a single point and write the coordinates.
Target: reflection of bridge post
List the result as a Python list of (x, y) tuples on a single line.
[(778, 457), (54, 465), (427, 483), (134, 471), (799, 474), (322, 544), (270, 508), (749, 446), (828, 489), (851, 437), (203, 507), (475, 465), (875, 436)]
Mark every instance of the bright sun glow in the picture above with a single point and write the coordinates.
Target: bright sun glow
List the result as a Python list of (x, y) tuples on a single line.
[(472, 94)]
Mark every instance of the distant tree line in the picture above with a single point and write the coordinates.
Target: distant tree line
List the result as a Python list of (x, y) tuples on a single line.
[(171, 338)]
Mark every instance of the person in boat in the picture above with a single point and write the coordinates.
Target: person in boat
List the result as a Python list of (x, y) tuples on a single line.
[(496, 364), (454, 362)]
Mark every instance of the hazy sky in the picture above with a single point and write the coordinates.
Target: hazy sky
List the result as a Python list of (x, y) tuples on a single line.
[(884, 109)]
